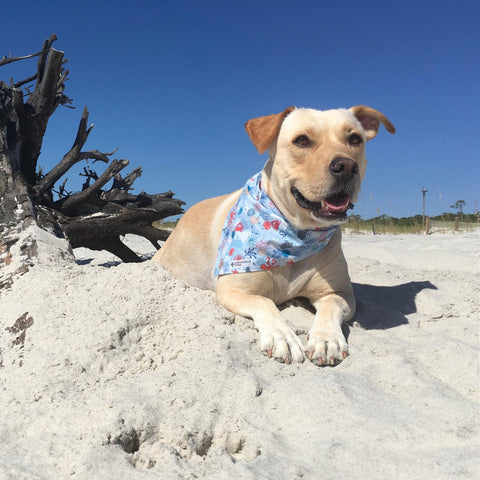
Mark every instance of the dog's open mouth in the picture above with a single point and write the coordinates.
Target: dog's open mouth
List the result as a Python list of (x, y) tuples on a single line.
[(334, 207)]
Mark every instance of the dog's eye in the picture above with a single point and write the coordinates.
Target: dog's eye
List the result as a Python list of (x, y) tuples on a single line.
[(302, 141), (355, 139)]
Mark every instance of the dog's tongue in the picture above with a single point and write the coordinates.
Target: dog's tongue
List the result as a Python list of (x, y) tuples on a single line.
[(337, 203)]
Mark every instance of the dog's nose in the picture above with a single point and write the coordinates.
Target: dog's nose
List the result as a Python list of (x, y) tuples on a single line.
[(346, 168)]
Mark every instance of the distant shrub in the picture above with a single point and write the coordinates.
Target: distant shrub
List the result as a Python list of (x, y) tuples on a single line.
[(165, 225)]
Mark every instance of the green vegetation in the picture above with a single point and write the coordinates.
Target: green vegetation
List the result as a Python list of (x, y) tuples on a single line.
[(165, 225), (384, 224)]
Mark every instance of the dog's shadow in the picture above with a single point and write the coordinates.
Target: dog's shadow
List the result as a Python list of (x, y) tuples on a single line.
[(386, 307), (378, 307)]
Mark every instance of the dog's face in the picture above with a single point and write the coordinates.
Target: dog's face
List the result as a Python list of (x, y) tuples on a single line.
[(316, 160)]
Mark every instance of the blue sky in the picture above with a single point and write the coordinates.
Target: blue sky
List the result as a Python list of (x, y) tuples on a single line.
[(171, 83)]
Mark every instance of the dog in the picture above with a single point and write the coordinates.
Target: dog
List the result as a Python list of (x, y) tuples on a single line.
[(278, 237)]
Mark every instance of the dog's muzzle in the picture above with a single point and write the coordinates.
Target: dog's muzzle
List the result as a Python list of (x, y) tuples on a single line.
[(335, 206)]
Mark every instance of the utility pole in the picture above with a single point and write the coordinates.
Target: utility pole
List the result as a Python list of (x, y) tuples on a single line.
[(424, 191)]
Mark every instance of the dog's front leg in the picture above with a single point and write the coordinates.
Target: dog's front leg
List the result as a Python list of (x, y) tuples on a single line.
[(277, 339), (326, 343)]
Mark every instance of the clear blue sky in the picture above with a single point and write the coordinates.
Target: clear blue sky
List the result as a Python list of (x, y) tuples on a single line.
[(171, 83)]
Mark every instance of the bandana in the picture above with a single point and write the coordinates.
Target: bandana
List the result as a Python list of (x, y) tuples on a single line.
[(256, 236)]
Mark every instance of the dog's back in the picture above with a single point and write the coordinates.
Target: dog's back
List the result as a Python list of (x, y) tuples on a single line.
[(190, 253)]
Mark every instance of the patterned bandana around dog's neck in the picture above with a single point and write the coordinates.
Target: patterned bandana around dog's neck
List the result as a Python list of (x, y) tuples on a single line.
[(256, 236)]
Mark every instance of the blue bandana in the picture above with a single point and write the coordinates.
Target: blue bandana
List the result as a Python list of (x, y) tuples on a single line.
[(256, 236)]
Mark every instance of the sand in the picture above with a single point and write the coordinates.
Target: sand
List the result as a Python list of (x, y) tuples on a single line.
[(120, 371)]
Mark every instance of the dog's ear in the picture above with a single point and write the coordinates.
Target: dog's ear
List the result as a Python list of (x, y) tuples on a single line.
[(370, 120), (263, 130)]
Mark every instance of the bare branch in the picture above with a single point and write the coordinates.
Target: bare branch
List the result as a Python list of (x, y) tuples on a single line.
[(63, 78), (62, 191), (23, 82), (7, 60), (102, 233), (123, 184), (70, 159), (89, 173), (108, 174), (83, 132), (70, 204), (132, 176), (96, 155)]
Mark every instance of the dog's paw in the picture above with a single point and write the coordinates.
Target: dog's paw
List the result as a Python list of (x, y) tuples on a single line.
[(326, 346), (281, 343)]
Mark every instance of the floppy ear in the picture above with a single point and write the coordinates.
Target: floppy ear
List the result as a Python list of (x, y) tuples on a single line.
[(263, 130), (370, 120)]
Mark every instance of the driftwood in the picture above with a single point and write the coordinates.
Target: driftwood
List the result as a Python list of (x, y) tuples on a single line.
[(94, 217)]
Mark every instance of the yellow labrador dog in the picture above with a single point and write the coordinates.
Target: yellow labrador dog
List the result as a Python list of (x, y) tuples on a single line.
[(278, 237)]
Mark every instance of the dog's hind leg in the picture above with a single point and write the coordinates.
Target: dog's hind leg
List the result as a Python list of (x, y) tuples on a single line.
[(277, 339)]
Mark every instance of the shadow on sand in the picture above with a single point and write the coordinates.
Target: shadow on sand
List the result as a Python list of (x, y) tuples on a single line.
[(386, 307), (378, 307), (114, 262)]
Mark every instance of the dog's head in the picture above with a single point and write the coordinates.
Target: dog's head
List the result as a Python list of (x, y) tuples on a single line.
[(316, 160)]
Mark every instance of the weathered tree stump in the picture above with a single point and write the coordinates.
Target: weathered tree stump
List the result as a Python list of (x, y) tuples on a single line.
[(94, 217)]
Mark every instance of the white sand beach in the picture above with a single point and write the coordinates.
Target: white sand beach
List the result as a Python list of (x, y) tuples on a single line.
[(119, 371)]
